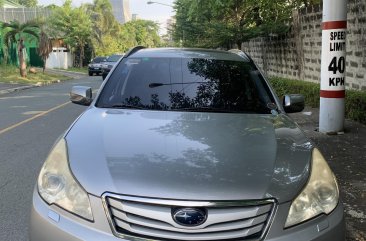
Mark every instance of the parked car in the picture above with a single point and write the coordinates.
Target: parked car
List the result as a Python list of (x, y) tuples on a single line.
[(109, 63), (186, 144), (95, 66)]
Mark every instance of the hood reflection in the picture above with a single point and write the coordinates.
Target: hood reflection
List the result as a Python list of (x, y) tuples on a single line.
[(191, 155)]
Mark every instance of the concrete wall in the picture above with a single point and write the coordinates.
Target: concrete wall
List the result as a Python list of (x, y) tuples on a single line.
[(297, 55)]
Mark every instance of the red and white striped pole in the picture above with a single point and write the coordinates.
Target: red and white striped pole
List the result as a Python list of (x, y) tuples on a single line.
[(333, 66)]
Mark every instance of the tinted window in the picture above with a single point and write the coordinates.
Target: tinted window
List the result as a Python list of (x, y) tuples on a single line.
[(114, 58), (98, 59), (186, 84)]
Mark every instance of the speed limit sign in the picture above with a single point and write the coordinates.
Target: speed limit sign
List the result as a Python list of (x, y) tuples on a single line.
[(333, 66)]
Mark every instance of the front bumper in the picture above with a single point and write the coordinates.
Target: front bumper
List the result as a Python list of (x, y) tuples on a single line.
[(106, 71), (45, 225), (94, 70)]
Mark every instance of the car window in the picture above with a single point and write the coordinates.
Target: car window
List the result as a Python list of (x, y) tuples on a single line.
[(186, 84), (114, 58), (98, 60)]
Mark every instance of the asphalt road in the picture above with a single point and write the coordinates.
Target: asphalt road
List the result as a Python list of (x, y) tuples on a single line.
[(30, 122)]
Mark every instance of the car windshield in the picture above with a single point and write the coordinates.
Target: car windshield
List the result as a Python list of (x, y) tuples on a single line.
[(98, 60), (186, 84), (114, 58)]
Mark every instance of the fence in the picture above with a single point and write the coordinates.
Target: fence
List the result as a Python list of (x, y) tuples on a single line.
[(23, 14)]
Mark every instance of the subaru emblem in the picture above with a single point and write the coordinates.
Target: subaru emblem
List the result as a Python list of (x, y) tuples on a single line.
[(189, 216)]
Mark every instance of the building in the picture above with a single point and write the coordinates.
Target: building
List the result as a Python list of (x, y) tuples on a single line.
[(135, 17), (121, 10)]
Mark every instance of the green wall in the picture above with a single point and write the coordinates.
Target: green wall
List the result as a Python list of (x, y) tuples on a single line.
[(31, 45)]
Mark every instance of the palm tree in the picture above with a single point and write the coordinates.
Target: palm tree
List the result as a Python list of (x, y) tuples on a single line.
[(15, 32), (44, 47)]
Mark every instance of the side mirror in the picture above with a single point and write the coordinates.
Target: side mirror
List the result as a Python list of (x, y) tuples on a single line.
[(81, 95), (293, 103)]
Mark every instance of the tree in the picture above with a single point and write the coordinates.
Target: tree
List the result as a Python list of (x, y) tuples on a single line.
[(109, 37), (105, 28), (44, 47), (73, 25), (28, 3), (223, 23), (14, 32), (143, 32)]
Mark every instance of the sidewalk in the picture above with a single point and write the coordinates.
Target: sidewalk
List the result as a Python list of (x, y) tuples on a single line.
[(346, 155)]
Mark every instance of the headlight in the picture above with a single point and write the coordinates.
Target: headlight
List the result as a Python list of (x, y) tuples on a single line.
[(320, 195), (56, 184), (105, 66)]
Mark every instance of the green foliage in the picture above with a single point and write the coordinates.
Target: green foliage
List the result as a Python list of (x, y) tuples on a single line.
[(143, 32), (14, 31), (73, 25), (93, 26), (104, 27), (286, 86), (25, 3), (223, 23), (356, 105), (355, 100), (28, 3), (17, 33)]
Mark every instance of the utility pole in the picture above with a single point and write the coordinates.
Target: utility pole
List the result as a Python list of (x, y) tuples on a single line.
[(333, 66)]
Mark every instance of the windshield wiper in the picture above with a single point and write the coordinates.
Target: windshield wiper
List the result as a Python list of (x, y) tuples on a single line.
[(206, 109), (154, 85), (123, 106)]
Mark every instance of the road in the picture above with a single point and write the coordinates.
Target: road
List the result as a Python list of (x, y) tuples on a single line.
[(30, 122)]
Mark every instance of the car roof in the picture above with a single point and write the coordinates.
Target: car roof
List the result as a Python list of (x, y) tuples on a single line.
[(189, 53)]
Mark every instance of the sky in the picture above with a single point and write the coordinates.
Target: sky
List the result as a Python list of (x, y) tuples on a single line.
[(155, 12)]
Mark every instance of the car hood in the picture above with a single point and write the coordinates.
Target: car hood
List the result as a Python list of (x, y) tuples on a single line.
[(109, 63), (96, 65), (189, 155)]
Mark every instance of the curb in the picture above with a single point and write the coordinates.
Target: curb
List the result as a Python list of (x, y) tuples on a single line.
[(11, 90), (65, 71), (39, 84)]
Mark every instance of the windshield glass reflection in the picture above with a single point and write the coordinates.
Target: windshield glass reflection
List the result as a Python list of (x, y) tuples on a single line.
[(187, 84)]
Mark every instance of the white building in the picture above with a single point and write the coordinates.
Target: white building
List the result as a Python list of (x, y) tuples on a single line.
[(59, 58), (121, 10)]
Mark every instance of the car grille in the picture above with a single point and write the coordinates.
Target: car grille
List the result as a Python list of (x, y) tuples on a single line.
[(134, 218)]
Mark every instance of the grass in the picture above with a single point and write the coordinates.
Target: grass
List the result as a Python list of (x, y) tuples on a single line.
[(10, 74), (355, 100)]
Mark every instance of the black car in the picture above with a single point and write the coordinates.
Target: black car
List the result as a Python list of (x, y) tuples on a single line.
[(95, 67), (109, 63)]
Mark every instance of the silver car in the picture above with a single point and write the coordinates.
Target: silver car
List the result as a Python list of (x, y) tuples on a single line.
[(186, 144)]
